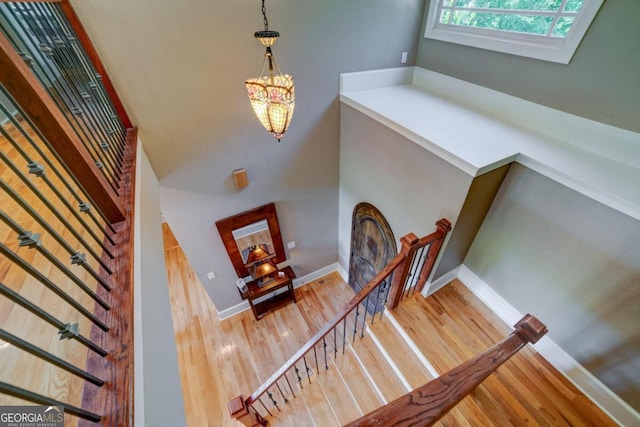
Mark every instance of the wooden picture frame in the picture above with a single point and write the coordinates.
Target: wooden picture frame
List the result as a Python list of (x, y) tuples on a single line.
[(226, 226)]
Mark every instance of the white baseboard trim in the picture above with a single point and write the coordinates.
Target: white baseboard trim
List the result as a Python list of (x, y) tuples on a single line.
[(315, 275), (232, 311), (297, 282), (599, 393), (439, 283), (342, 272)]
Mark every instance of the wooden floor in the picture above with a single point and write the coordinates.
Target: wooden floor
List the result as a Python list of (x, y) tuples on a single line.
[(222, 359)]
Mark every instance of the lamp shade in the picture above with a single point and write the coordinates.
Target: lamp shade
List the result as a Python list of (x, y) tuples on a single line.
[(262, 269), (273, 101)]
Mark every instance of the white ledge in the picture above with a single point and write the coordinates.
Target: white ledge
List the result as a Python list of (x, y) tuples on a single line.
[(478, 129)]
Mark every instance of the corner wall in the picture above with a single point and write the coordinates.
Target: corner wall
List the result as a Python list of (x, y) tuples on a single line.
[(573, 263), (157, 391), (412, 187)]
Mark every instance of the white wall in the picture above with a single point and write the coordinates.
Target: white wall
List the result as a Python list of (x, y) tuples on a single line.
[(412, 187), (575, 264), (158, 395)]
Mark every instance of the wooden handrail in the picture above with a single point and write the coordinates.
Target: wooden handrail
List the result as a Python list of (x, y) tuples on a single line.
[(328, 327), (242, 409), (427, 404)]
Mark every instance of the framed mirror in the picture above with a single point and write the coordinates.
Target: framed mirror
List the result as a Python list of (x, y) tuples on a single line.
[(244, 231)]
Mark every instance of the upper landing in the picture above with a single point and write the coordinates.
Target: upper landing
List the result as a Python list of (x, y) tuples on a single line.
[(478, 129)]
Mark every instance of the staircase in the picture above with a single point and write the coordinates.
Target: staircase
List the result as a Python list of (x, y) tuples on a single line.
[(373, 370), (417, 361)]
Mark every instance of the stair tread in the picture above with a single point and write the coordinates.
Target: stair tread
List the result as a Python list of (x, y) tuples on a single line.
[(318, 405), (401, 353), (339, 394), (360, 385), (378, 368)]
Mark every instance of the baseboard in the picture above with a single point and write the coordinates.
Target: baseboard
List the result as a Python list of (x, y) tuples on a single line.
[(343, 273), (315, 275), (439, 283), (297, 282), (599, 393), (232, 311)]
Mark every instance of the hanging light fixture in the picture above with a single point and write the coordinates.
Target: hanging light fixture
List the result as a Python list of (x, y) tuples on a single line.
[(272, 95)]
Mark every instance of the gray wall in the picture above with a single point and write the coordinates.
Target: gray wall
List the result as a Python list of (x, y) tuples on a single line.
[(601, 82), (412, 187), (573, 263), (163, 403), (543, 247), (181, 68)]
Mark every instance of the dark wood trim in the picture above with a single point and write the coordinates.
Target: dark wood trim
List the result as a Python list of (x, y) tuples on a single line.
[(427, 404), (85, 40), (409, 247), (115, 400), (18, 79), (444, 226), (227, 225)]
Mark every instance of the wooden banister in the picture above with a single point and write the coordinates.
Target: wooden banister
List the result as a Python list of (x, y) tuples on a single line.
[(427, 404), (410, 245), (242, 409), (328, 327)]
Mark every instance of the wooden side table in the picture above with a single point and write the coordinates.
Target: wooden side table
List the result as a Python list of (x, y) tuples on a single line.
[(254, 292)]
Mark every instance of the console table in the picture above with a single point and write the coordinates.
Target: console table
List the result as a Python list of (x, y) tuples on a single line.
[(255, 292)]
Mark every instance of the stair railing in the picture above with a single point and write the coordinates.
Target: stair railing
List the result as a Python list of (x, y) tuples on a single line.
[(427, 404), (404, 275)]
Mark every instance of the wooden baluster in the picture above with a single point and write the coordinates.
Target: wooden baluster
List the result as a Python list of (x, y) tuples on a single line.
[(427, 404), (409, 246)]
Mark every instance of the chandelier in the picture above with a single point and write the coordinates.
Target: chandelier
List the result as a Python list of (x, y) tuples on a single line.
[(272, 95)]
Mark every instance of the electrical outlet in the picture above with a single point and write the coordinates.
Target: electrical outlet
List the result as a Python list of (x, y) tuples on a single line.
[(211, 275), (404, 57), (291, 244)]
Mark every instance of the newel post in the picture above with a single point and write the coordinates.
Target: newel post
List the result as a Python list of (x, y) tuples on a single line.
[(443, 227), (409, 246), (238, 411)]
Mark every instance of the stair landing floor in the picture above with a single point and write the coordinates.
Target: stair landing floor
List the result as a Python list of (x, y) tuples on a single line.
[(219, 360)]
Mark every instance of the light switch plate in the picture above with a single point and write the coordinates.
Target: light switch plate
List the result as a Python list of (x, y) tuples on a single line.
[(291, 244), (211, 275)]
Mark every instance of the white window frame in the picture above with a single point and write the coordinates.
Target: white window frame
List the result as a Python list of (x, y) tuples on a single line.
[(552, 49)]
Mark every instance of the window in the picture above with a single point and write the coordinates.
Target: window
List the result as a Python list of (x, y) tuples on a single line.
[(550, 30)]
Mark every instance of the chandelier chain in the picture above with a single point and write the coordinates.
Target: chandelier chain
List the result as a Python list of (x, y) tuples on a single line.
[(264, 14)]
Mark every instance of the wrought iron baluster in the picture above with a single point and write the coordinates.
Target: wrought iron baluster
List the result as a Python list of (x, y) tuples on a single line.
[(65, 61), (315, 355), (364, 316), (45, 355), (297, 371), (355, 323), (30, 396), (64, 180), (273, 401), (60, 92), (344, 333), (281, 393), (324, 347), (20, 262), (32, 241), (56, 323), (16, 197), (265, 408), (306, 367), (377, 306), (289, 384), (384, 289), (335, 343)]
